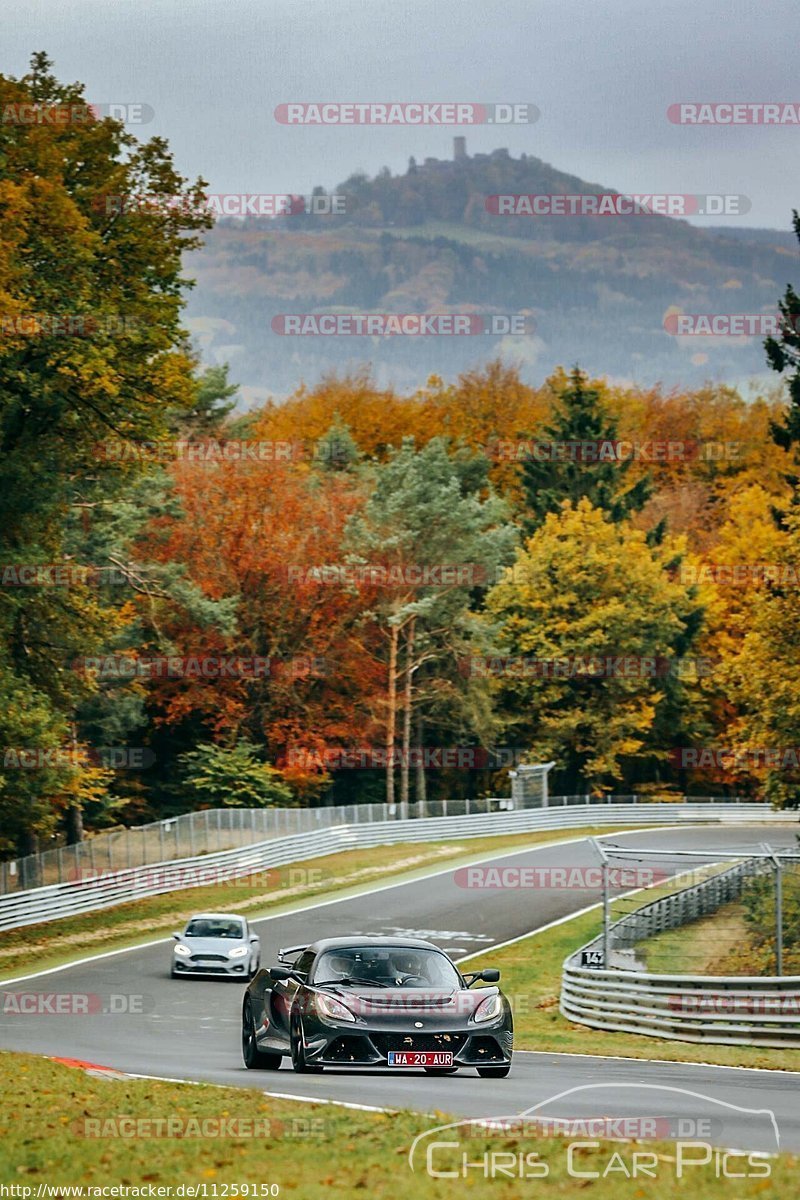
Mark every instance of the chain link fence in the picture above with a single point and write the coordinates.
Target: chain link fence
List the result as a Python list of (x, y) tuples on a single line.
[(210, 830), (714, 956), (737, 915)]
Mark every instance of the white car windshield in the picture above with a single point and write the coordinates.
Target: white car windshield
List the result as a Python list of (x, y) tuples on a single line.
[(207, 927), (386, 966)]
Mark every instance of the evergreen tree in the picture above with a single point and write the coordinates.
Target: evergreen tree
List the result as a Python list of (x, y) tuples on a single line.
[(426, 509), (548, 481), (783, 355)]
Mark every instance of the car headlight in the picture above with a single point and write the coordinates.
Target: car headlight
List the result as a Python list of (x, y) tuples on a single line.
[(238, 952), (183, 951), (489, 1008), (329, 1007)]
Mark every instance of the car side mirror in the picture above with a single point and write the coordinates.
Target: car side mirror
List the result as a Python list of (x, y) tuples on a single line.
[(253, 937), (177, 936), (490, 975), (280, 974)]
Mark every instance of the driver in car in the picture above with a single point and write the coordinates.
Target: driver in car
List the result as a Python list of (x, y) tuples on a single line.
[(406, 967), (341, 966)]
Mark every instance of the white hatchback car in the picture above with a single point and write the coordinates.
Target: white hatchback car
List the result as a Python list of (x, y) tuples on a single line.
[(216, 944)]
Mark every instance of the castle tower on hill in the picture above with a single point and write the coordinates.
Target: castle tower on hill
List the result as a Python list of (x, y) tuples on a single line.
[(459, 149)]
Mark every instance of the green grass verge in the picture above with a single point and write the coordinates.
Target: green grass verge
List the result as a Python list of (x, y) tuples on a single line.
[(50, 944), (61, 1128), (699, 948), (531, 977), (725, 943)]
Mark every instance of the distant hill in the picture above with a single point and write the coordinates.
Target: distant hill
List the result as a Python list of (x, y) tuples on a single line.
[(598, 287)]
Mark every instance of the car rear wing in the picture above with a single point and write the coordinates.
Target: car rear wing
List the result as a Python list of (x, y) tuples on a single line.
[(288, 954)]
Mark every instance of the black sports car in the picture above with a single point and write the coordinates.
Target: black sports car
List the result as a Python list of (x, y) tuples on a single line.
[(392, 1003)]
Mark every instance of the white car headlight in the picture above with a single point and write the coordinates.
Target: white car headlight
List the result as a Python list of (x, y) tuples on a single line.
[(334, 1009), (238, 952), (183, 951), (488, 1009)]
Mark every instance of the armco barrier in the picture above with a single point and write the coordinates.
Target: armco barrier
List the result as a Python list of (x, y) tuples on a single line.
[(211, 829), (688, 1008), (731, 1010), (87, 895)]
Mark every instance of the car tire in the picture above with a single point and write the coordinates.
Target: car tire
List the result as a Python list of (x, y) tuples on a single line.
[(299, 1063), (440, 1070), (494, 1072), (255, 1059)]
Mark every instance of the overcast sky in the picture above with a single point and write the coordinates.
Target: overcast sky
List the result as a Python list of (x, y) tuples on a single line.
[(602, 73)]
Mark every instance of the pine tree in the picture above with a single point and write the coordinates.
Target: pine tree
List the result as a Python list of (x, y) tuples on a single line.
[(784, 355), (547, 482)]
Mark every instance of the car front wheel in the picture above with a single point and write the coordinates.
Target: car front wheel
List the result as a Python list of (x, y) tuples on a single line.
[(299, 1063), (255, 1059)]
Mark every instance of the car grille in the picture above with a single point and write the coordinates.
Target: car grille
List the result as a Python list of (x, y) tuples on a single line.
[(350, 1049), (209, 958), (485, 1049), (419, 1041)]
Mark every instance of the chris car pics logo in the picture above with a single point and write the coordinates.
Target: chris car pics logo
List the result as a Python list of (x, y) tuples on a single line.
[(600, 1131)]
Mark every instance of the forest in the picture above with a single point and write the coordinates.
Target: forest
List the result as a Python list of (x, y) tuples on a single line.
[(358, 593)]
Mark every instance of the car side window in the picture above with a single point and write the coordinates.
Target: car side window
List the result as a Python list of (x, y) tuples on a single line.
[(303, 964)]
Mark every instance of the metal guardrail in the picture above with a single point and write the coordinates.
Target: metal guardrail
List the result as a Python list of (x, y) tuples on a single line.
[(209, 830), (60, 900), (724, 1009)]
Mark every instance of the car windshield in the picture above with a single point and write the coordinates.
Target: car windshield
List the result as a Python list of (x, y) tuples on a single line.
[(386, 966), (214, 927)]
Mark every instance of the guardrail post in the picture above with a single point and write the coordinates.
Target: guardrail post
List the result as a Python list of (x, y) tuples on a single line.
[(778, 906), (778, 916), (606, 905)]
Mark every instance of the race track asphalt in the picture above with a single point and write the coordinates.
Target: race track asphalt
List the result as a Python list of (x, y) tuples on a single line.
[(189, 1028)]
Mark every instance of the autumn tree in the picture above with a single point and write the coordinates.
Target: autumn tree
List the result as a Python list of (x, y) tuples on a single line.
[(91, 350), (259, 536), (586, 596), (764, 676)]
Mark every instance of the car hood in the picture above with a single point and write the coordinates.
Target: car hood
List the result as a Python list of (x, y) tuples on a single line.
[(402, 1006), (206, 945)]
